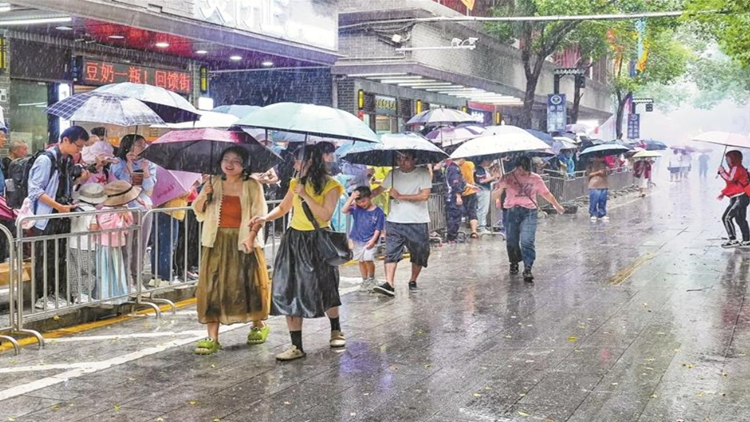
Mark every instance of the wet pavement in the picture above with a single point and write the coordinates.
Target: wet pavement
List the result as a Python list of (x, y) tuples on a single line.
[(639, 319)]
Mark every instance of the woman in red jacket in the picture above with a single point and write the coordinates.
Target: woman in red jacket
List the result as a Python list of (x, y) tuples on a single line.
[(736, 179)]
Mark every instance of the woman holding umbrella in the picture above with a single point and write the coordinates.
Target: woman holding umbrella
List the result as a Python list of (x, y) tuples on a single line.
[(522, 186), (304, 285), (736, 179), (233, 285)]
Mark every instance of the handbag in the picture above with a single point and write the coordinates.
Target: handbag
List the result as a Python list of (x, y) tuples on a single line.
[(332, 246)]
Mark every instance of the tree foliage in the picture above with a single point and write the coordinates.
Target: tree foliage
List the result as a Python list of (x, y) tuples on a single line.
[(729, 27)]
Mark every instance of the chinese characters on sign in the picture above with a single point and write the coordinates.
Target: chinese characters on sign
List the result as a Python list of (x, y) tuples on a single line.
[(557, 113), (634, 126), (385, 105), (95, 72)]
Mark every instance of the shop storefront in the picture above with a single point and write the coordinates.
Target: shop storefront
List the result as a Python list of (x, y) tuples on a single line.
[(385, 114)]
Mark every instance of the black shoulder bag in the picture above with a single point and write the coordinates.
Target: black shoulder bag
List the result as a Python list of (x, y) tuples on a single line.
[(332, 246)]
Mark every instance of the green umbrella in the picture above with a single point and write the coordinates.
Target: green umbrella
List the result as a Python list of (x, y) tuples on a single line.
[(310, 119)]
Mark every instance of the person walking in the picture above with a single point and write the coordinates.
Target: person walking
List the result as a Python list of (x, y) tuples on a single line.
[(737, 180), (484, 177), (642, 172), (469, 196), (304, 285), (455, 186), (407, 222), (598, 174), (703, 160), (369, 222), (522, 186), (233, 284)]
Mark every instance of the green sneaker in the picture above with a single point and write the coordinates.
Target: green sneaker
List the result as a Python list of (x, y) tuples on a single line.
[(207, 346), (258, 335)]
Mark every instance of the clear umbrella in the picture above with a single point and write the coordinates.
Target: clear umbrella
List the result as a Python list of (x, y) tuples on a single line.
[(503, 140), (105, 108), (170, 106), (384, 154), (442, 116)]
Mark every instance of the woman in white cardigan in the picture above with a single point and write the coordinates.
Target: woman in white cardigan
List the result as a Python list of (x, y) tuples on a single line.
[(233, 286)]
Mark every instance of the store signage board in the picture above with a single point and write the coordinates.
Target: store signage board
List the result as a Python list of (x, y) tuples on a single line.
[(309, 22), (385, 105), (557, 113), (97, 72), (634, 126)]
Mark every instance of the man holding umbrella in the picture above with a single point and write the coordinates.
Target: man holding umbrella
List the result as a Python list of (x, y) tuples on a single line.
[(406, 225)]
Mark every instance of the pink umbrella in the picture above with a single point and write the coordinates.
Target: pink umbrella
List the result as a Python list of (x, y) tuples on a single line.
[(171, 184)]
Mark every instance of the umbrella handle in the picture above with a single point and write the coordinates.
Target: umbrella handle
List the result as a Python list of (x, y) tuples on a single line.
[(209, 197)]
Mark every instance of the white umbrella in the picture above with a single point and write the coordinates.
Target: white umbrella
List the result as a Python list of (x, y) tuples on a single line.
[(727, 139), (647, 154), (501, 140), (209, 119)]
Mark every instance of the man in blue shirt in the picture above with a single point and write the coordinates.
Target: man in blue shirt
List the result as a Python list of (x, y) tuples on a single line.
[(50, 187)]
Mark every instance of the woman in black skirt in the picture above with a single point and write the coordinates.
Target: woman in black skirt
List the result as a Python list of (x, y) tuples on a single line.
[(305, 286)]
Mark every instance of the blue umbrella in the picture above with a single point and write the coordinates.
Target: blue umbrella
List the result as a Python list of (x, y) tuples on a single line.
[(605, 149), (384, 154), (239, 110), (545, 137)]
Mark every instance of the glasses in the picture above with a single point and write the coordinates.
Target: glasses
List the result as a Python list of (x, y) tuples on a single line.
[(79, 146)]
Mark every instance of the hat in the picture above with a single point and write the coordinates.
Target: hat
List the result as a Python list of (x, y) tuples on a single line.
[(92, 193), (120, 193)]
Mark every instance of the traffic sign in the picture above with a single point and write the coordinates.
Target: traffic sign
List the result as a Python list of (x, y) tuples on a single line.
[(634, 126), (557, 113)]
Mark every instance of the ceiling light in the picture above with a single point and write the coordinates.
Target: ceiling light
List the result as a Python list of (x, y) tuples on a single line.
[(426, 84), (5, 7), (201, 52), (162, 44), (267, 63), (374, 75), (33, 21), (116, 37), (235, 58), (64, 28)]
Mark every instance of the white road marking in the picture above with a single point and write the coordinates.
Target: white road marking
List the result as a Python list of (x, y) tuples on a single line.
[(124, 336)]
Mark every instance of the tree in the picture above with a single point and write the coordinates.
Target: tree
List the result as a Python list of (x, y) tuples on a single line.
[(539, 40), (728, 28), (591, 41)]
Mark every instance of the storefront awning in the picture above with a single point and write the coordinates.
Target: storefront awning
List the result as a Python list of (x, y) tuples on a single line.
[(417, 76)]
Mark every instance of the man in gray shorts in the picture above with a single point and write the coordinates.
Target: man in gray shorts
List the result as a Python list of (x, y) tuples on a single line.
[(406, 224)]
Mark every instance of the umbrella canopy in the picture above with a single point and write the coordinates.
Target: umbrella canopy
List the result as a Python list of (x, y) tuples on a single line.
[(449, 135), (652, 145), (172, 184), (105, 108), (544, 137), (310, 119), (237, 110), (442, 116), (198, 151), (647, 154), (209, 119), (562, 142), (727, 139), (605, 149), (686, 148), (384, 154), (170, 106), (502, 141)]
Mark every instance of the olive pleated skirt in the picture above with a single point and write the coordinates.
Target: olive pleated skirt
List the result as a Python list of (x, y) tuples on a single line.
[(233, 287)]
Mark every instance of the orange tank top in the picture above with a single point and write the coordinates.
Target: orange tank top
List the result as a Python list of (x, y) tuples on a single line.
[(231, 213)]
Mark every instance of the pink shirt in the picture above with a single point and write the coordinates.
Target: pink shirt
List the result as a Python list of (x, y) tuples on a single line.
[(111, 221), (521, 189)]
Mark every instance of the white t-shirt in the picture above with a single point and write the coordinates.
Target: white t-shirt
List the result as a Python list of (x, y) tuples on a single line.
[(412, 183), (81, 225)]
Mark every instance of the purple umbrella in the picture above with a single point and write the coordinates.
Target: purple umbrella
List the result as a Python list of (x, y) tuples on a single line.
[(447, 136)]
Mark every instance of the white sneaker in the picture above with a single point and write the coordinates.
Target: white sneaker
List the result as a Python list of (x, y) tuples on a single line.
[(605, 218), (593, 218), (177, 280), (51, 303), (745, 244), (83, 298), (157, 283), (730, 244)]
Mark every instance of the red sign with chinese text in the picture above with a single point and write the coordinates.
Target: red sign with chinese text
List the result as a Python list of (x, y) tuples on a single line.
[(95, 72)]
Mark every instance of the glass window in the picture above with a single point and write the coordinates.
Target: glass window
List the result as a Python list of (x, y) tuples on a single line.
[(27, 118), (385, 124)]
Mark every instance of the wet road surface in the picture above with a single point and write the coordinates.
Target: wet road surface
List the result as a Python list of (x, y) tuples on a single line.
[(639, 319)]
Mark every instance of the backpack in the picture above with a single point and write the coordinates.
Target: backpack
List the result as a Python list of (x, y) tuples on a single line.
[(17, 184)]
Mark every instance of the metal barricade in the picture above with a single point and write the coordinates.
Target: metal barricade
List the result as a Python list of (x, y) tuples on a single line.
[(13, 286), (436, 209), (92, 255)]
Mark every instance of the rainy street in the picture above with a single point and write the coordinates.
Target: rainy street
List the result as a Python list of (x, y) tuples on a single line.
[(642, 318)]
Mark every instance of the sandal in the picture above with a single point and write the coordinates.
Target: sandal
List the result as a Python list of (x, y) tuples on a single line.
[(291, 353), (207, 346), (258, 335)]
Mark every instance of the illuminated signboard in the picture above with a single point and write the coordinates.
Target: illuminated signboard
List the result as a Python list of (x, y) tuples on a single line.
[(96, 72)]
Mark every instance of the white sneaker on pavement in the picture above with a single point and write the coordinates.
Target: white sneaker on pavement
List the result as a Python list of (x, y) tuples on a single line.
[(730, 244), (605, 218)]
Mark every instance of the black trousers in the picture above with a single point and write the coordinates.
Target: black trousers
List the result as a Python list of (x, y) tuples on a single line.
[(57, 269), (737, 211)]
